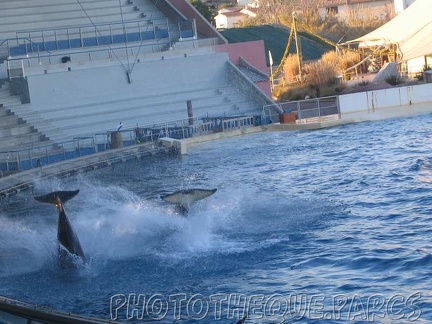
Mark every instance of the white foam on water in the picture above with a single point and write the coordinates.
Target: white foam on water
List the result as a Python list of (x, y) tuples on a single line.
[(113, 223)]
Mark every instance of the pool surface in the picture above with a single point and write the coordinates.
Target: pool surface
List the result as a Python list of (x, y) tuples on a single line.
[(333, 225)]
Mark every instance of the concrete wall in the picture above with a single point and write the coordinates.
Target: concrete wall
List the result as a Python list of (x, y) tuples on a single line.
[(254, 53), (151, 77), (394, 97), (248, 87)]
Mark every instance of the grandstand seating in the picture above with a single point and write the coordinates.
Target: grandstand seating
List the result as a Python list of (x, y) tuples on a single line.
[(79, 81), (14, 131), (68, 115), (26, 15), (49, 25)]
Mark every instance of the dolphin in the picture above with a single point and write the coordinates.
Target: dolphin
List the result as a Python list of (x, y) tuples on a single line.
[(185, 198), (66, 236)]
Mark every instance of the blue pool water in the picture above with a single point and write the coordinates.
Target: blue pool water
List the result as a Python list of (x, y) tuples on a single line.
[(331, 225)]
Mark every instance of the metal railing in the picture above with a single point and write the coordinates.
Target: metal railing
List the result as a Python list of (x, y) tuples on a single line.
[(31, 157), (28, 158), (47, 40), (316, 108), (179, 129)]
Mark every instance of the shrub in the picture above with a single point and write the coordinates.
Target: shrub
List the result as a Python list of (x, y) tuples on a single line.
[(341, 60), (295, 93), (320, 73), (291, 68)]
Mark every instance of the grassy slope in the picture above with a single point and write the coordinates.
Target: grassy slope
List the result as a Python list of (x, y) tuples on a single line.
[(275, 39)]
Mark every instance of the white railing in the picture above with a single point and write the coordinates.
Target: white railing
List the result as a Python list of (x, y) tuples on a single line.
[(307, 110)]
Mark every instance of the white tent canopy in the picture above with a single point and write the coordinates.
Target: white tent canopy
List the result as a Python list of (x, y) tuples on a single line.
[(411, 31)]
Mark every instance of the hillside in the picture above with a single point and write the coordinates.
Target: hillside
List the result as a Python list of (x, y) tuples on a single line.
[(275, 39)]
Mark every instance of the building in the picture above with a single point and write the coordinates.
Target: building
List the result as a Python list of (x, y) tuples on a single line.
[(357, 9), (410, 46), (232, 17)]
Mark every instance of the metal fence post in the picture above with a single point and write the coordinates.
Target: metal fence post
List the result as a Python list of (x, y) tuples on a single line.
[(19, 167), (298, 110), (79, 148)]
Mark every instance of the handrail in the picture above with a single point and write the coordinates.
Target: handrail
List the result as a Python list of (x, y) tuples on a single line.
[(83, 33), (7, 40), (35, 156), (303, 108)]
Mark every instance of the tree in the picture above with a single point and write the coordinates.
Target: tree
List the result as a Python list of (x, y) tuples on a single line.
[(203, 9)]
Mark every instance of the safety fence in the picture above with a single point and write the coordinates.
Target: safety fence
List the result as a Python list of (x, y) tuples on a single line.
[(49, 40), (31, 157), (316, 109)]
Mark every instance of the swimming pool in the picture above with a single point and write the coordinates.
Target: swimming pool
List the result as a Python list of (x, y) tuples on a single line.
[(330, 225)]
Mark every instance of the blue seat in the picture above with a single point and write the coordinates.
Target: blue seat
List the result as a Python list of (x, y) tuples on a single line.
[(75, 43), (133, 37), (147, 35), (63, 44), (90, 41), (50, 46), (104, 40), (186, 33), (18, 50), (119, 39), (161, 33)]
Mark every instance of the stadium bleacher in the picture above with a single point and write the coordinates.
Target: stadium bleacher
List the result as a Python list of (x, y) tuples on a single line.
[(76, 68)]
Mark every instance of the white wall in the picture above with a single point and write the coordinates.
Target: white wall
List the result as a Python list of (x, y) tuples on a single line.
[(379, 9), (401, 5), (372, 100), (82, 85), (221, 21), (416, 65)]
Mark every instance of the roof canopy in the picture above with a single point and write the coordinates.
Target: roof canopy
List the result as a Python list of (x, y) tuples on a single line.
[(411, 30)]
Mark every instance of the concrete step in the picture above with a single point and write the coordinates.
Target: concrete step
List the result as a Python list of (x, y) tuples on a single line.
[(31, 4), (13, 143), (10, 121), (4, 112), (58, 7), (9, 102), (58, 15), (9, 30), (13, 130)]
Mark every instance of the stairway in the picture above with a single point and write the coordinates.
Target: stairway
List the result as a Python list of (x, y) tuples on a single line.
[(15, 133)]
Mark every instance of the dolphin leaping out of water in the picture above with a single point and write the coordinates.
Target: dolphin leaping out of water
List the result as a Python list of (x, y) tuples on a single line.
[(66, 235), (185, 198)]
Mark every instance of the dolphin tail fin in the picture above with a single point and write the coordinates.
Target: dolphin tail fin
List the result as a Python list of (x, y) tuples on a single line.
[(52, 198), (185, 198)]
